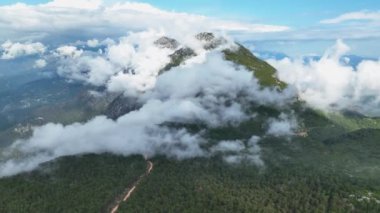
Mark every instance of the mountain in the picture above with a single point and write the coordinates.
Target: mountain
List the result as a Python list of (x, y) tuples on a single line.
[(240, 56), (328, 163)]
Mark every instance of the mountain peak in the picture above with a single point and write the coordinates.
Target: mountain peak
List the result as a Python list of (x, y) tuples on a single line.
[(166, 42), (205, 36), (210, 40)]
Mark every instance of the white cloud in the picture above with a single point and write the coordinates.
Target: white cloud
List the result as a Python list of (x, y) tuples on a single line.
[(248, 28), (69, 51), (228, 146), (284, 125), (12, 50), (40, 63), (85, 18), (93, 43), (88, 19), (77, 4), (92, 70), (354, 16), (331, 84), (249, 153), (358, 26), (130, 65)]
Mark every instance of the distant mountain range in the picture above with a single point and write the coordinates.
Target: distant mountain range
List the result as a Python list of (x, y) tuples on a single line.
[(353, 60)]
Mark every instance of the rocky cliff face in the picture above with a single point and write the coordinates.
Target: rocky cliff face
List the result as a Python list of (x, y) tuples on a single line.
[(121, 106), (209, 40), (165, 42), (179, 57)]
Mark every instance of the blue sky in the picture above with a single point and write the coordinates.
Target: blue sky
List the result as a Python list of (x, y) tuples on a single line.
[(285, 12), (5, 2)]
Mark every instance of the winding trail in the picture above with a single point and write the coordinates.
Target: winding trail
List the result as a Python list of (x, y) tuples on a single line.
[(128, 193)]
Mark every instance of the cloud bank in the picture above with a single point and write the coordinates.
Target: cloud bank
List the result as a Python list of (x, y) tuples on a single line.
[(98, 19), (208, 90), (330, 83)]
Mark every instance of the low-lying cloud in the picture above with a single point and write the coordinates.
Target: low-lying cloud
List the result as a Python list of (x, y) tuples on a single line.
[(237, 151), (330, 83), (284, 125), (211, 92), (10, 50)]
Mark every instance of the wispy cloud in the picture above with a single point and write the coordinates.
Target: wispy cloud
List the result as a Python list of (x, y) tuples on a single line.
[(358, 25), (354, 16)]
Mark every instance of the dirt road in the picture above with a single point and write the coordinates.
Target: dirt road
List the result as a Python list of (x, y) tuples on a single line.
[(128, 193)]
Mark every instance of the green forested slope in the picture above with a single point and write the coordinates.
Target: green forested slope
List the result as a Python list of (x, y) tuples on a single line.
[(72, 184), (299, 176)]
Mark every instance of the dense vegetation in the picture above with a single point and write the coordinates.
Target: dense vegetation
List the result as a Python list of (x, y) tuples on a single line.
[(72, 184), (338, 175), (335, 168)]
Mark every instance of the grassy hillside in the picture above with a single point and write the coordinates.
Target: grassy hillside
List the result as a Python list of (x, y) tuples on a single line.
[(264, 72), (354, 122)]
